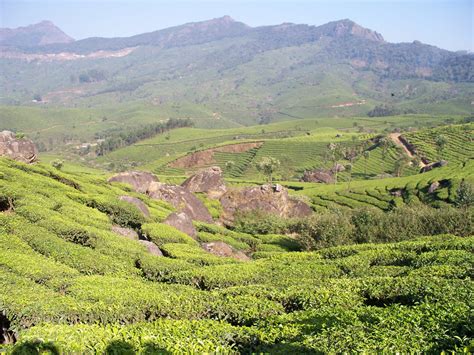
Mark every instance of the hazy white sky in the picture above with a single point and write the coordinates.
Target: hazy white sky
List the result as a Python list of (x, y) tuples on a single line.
[(444, 23)]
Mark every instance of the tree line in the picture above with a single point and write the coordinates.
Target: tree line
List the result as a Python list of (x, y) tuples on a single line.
[(118, 140)]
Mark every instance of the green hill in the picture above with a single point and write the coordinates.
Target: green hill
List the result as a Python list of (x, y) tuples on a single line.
[(70, 284)]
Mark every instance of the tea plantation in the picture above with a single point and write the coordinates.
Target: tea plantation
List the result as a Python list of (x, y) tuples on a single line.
[(69, 284)]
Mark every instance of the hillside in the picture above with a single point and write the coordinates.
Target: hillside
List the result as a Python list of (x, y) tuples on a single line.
[(222, 69), (299, 145), (71, 284)]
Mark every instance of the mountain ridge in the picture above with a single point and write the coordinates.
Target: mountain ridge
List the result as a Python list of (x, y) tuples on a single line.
[(207, 31), (224, 68), (39, 34)]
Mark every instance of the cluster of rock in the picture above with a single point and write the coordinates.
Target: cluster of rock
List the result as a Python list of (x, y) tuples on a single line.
[(429, 167), (17, 148), (326, 176), (273, 199)]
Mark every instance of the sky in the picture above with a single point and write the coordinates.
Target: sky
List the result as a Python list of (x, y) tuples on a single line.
[(445, 23)]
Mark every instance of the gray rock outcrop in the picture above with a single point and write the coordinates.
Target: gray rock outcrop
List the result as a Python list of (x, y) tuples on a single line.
[(208, 180), (151, 247), (182, 222), (139, 180), (321, 176), (272, 199), (181, 199), (125, 232), (137, 203), (20, 149), (224, 250)]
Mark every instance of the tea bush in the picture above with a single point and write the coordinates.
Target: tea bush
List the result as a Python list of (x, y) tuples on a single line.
[(160, 234), (373, 284)]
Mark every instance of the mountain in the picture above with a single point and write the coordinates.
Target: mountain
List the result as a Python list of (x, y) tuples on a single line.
[(40, 34), (213, 30), (224, 71)]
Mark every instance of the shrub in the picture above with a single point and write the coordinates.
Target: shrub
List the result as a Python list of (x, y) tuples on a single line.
[(57, 164), (162, 336), (260, 222), (160, 234), (120, 212), (324, 230), (464, 195), (367, 227)]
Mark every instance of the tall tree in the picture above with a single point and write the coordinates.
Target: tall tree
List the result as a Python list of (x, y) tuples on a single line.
[(385, 143), (366, 155), (441, 141), (401, 163), (267, 166)]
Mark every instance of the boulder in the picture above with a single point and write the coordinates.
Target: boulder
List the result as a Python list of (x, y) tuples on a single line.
[(337, 168), (20, 149), (125, 232), (7, 335), (397, 192), (438, 164), (433, 187), (151, 247), (320, 175), (181, 199), (140, 180), (207, 180), (182, 222), (224, 250), (137, 203), (268, 198)]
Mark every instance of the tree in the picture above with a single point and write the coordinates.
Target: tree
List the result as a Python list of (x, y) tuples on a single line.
[(229, 165), (57, 164), (349, 170), (385, 143), (267, 166), (401, 163), (366, 155), (441, 142), (334, 153), (464, 195)]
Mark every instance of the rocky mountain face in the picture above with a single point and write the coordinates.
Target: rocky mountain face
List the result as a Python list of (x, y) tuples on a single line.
[(40, 34)]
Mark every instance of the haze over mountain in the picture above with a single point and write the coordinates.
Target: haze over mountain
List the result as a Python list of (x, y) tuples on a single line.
[(226, 69)]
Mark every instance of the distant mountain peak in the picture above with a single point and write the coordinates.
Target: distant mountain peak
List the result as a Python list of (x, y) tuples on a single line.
[(348, 27), (41, 33), (224, 21), (226, 18)]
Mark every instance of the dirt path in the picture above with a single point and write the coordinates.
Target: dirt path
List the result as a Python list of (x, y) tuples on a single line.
[(395, 137)]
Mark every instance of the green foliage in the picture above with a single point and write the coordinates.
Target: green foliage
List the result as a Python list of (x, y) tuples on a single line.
[(464, 195), (259, 222), (115, 140), (371, 225), (68, 284), (268, 166), (150, 337), (57, 164), (214, 206), (160, 234), (120, 212), (324, 230)]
